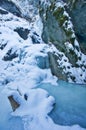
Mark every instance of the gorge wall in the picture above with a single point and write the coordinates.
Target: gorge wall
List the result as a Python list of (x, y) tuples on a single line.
[(64, 26)]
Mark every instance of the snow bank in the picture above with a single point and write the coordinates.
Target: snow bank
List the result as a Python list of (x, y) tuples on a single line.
[(34, 111)]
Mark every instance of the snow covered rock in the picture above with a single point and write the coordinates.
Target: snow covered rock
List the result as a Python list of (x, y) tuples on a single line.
[(70, 62), (77, 11), (21, 57), (25, 61)]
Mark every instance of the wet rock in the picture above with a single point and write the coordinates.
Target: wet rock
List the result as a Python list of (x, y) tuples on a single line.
[(23, 33), (77, 11), (35, 39), (11, 7), (2, 46), (10, 55), (3, 11), (55, 68)]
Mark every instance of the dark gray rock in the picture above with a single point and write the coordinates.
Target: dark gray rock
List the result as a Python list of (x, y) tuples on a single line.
[(11, 7), (2, 46), (35, 38), (23, 33), (10, 55), (3, 11), (77, 11), (55, 68)]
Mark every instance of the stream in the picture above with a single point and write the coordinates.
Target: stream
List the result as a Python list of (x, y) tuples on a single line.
[(70, 105)]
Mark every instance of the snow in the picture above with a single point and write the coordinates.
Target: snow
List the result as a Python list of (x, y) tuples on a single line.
[(33, 111), (60, 4), (22, 74), (68, 46), (24, 66), (79, 73)]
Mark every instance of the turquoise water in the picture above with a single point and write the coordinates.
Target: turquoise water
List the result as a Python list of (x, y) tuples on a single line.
[(70, 105)]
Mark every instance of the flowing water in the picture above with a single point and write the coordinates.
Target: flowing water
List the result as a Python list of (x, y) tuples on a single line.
[(70, 105)]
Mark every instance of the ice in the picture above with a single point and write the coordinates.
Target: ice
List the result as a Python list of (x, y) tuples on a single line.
[(70, 105), (20, 75), (32, 113)]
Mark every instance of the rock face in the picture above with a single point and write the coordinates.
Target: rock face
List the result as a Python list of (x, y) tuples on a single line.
[(77, 11), (62, 29), (58, 29), (10, 6)]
